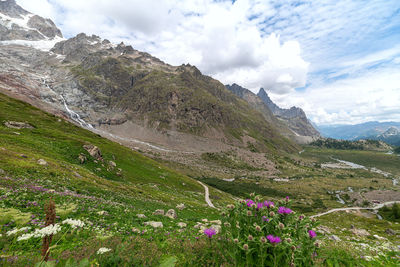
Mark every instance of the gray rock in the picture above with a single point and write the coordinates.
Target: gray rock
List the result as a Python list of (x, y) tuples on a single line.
[(182, 224), (180, 206), (93, 151), (171, 213), (335, 238), (42, 162), (158, 212), (154, 224), (390, 231), (112, 164), (360, 232), (82, 158), (18, 125)]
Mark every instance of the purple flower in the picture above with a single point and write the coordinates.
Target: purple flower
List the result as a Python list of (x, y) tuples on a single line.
[(312, 234), (268, 204), (284, 210), (259, 205), (265, 219), (209, 232), (249, 202), (287, 198), (274, 239)]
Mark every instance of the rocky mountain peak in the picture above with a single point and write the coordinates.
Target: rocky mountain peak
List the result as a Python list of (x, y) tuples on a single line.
[(294, 116), (264, 97), (18, 24), (11, 9)]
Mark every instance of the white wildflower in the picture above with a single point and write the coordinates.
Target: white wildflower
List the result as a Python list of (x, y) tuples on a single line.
[(16, 230), (103, 250), (51, 229), (74, 223)]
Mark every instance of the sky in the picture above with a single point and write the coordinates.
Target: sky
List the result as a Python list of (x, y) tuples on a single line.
[(339, 60)]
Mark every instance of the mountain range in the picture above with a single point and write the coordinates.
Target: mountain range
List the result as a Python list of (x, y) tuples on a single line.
[(383, 131), (123, 93)]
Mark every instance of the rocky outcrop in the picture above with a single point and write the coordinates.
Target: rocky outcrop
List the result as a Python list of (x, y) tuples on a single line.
[(295, 118), (18, 24), (291, 123), (18, 125), (93, 151)]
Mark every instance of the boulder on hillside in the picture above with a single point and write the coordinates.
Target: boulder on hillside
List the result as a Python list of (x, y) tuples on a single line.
[(93, 151), (158, 212), (180, 206), (42, 162), (171, 213), (154, 224), (82, 158), (360, 232), (18, 125)]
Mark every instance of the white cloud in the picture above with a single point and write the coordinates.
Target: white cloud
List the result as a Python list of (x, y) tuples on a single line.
[(373, 94)]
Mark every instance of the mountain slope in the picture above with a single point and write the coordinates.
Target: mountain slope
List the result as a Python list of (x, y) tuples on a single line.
[(119, 90), (116, 171)]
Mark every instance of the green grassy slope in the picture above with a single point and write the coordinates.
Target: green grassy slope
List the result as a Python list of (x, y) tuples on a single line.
[(143, 183)]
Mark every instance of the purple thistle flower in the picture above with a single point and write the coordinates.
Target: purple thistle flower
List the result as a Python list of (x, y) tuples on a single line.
[(209, 232), (287, 198), (268, 204), (265, 219), (284, 210), (274, 239), (312, 234), (259, 205), (249, 202)]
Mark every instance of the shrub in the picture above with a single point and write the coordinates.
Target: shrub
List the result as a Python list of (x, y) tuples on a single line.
[(263, 234)]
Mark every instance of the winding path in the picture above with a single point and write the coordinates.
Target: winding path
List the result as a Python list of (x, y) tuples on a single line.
[(207, 195), (355, 208)]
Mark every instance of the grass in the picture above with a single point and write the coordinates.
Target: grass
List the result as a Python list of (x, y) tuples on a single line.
[(108, 200)]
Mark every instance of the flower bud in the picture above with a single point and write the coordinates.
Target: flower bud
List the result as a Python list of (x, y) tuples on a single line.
[(252, 194), (289, 240), (281, 225), (236, 240), (258, 228), (293, 248), (245, 247), (249, 213), (316, 244), (272, 214), (263, 239), (313, 220), (250, 238), (301, 217)]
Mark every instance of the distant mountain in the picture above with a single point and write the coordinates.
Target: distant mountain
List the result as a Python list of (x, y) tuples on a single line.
[(294, 118), (384, 131)]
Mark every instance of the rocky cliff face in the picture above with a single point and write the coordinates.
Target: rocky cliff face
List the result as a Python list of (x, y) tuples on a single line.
[(294, 118), (291, 123), (18, 24), (117, 89)]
